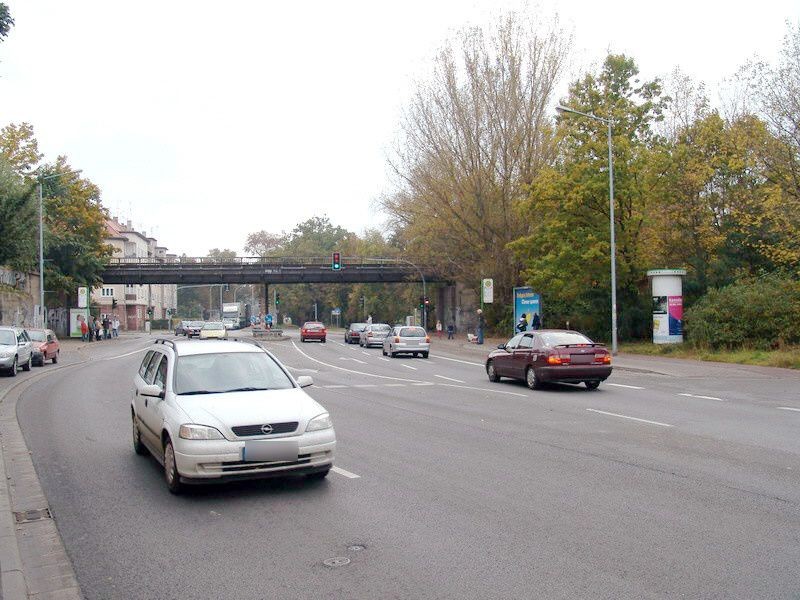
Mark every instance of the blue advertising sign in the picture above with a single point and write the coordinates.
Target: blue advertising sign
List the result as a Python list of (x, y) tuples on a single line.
[(526, 302)]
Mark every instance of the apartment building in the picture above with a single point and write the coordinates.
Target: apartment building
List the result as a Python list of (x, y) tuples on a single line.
[(130, 302)]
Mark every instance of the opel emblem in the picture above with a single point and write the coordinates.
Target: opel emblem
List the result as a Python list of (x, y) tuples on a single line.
[(266, 429)]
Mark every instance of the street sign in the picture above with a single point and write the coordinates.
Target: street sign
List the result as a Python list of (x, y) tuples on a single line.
[(336, 311), (83, 297), (488, 291)]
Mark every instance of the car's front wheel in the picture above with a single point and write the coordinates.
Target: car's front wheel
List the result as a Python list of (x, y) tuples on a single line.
[(27, 366), (55, 356), (138, 446), (491, 372), (171, 474), (531, 379), (13, 370), (592, 385)]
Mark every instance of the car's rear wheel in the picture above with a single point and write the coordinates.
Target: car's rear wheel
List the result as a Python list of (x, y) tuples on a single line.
[(171, 475), (531, 379), (323, 340), (138, 446), (319, 475), (55, 356), (27, 366), (424, 355), (492, 373), (592, 385)]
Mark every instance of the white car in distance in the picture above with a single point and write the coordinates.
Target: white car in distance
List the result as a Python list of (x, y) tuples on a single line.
[(226, 410)]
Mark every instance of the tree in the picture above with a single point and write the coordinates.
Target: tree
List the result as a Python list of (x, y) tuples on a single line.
[(567, 252), (18, 221), (263, 243), (475, 134), (6, 22), (222, 254), (19, 148)]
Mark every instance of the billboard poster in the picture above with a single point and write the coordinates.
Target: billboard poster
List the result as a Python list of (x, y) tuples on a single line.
[(76, 315), (526, 302), (675, 308)]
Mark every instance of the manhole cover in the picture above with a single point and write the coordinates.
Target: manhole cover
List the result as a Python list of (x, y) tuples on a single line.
[(356, 548), (27, 516), (336, 561)]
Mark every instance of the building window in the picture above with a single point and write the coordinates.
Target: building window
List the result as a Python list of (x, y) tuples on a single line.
[(108, 292)]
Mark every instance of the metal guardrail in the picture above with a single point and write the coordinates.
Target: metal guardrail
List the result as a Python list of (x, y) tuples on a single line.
[(287, 261)]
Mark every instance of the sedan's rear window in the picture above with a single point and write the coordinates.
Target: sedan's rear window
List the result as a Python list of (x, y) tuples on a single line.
[(414, 332), (381, 327), (560, 338), (227, 372), (314, 326)]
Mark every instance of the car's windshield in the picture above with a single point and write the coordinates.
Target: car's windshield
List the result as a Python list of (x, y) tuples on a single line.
[(228, 372), (416, 332), (37, 336), (381, 327), (560, 338), (213, 326), (7, 338)]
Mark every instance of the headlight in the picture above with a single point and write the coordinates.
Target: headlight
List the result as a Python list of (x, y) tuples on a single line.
[(199, 432), (6, 353), (323, 421)]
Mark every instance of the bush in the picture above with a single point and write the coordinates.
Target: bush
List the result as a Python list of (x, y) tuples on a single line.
[(158, 324), (761, 313)]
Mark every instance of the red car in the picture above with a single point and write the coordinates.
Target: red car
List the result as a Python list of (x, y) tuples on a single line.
[(45, 346), (550, 355), (313, 330)]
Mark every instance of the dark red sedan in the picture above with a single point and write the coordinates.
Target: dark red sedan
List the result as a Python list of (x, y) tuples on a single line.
[(550, 355), (313, 330), (45, 346)]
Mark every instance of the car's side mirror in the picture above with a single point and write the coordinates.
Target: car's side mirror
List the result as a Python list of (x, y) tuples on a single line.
[(153, 391), (304, 381), (501, 346)]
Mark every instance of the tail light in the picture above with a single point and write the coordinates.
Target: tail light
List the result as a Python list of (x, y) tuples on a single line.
[(369, 334), (396, 340), (559, 359), (427, 339), (602, 359)]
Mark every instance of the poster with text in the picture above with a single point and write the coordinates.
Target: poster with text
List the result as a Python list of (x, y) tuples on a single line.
[(529, 303)]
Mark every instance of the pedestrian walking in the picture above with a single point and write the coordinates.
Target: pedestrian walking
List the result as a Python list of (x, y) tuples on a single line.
[(106, 328), (438, 329), (115, 326), (84, 330), (451, 329), (536, 322), (522, 325), (481, 325)]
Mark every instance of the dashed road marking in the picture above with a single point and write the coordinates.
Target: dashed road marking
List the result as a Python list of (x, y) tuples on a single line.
[(788, 408), (449, 379), (363, 385), (126, 354), (353, 359), (395, 385), (344, 473), (424, 383), (703, 397), (465, 362), (409, 367), (383, 358), (311, 358), (602, 412), (366, 353), (630, 387), (330, 387)]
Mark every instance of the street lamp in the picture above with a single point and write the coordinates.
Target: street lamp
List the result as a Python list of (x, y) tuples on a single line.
[(565, 109), (42, 312)]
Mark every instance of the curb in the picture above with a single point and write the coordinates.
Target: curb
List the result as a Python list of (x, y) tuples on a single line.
[(56, 578)]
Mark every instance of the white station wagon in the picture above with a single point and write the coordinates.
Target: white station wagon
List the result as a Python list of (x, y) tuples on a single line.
[(216, 411)]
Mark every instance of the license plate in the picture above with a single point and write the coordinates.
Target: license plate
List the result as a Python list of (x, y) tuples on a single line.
[(270, 451), (582, 359)]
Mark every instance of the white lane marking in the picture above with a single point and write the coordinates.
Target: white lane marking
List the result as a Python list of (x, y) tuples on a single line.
[(347, 474), (126, 354), (365, 352), (311, 358), (341, 344), (465, 362), (301, 369), (630, 387), (703, 397), (396, 385), (469, 387), (333, 386), (353, 359), (449, 379), (602, 412), (424, 383), (360, 385), (788, 408), (383, 358), (409, 367)]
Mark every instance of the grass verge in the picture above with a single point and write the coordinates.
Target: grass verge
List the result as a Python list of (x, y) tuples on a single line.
[(788, 358)]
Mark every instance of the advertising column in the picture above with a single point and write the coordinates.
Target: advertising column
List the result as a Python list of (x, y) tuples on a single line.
[(667, 305)]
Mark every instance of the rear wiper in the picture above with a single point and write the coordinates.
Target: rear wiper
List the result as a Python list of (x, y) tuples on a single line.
[(245, 389)]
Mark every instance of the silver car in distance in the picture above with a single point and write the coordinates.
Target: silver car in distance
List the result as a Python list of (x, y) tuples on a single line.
[(222, 410), (405, 339)]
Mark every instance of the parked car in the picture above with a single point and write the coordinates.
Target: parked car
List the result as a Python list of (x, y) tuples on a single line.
[(313, 330), (407, 340), (550, 355), (193, 328), (16, 350), (180, 328), (353, 333), (45, 346), (213, 330), (372, 335), (226, 410)]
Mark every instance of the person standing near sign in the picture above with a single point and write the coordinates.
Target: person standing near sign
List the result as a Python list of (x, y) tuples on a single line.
[(481, 325), (536, 322)]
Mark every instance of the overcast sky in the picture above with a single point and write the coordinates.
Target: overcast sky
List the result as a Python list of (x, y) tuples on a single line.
[(202, 122)]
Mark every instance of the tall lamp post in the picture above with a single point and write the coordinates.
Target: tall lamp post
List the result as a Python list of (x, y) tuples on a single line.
[(43, 313), (566, 109)]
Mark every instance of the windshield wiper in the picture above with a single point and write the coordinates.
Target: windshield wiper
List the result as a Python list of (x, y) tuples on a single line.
[(195, 392), (246, 389)]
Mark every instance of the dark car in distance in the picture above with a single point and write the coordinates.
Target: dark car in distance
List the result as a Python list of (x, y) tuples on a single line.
[(353, 333), (192, 328), (550, 356)]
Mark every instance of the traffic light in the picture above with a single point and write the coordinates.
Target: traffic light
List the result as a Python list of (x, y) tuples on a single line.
[(336, 262), (427, 301), (422, 301), (149, 311), (227, 287), (277, 298)]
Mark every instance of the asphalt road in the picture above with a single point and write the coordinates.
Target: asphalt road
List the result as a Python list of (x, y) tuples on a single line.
[(447, 486)]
